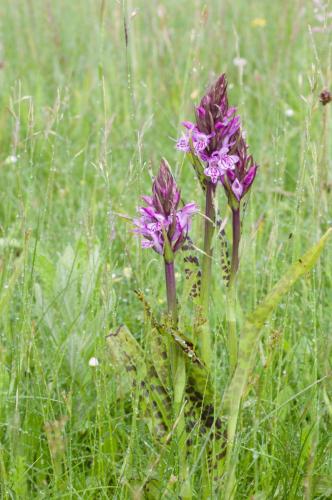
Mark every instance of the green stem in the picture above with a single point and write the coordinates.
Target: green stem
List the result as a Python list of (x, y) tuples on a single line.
[(206, 270), (231, 327), (171, 291), (231, 295), (179, 381), (236, 227)]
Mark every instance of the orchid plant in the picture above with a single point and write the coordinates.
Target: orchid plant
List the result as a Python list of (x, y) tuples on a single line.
[(216, 146)]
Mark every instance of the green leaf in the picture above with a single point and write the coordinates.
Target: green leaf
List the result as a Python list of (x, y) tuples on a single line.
[(126, 357), (199, 390), (186, 346), (198, 167), (192, 270), (158, 353), (224, 252), (132, 368), (166, 330), (251, 335)]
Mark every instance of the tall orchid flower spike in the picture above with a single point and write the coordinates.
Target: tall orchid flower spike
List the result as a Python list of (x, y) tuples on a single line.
[(217, 141), (215, 118), (213, 138)]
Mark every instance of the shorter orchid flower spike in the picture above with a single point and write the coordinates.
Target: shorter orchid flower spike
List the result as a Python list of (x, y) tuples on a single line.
[(162, 224)]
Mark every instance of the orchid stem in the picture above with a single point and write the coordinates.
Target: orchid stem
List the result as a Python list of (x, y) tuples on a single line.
[(171, 291), (236, 226), (206, 270), (179, 380), (231, 295)]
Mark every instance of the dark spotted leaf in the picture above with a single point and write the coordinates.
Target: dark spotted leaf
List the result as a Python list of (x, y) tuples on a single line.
[(192, 269), (137, 372), (224, 253)]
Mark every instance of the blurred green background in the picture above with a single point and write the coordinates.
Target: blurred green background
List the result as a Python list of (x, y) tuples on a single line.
[(93, 93)]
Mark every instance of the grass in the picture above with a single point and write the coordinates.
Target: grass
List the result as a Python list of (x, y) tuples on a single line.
[(92, 95)]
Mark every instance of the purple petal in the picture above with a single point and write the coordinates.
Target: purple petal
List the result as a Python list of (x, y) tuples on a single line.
[(213, 173), (148, 211), (223, 151), (189, 125), (185, 213), (231, 110), (189, 208), (183, 144), (249, 178), (203, 156), (148, 199), (158, 243), (201, 111), (234, 158), (237, 189), (233, 126), (215, 156), (146, 243), (200, 141), (231, 175)]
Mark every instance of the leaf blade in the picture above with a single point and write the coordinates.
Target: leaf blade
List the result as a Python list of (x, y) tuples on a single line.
[(250, 337)]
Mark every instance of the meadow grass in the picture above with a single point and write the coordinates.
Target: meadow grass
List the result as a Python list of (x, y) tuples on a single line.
[(92, 95)]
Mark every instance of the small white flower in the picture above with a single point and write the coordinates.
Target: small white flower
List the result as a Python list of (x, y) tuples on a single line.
[(134, 13), (93, 362), (240, 62), (11, 159), (289, 112)]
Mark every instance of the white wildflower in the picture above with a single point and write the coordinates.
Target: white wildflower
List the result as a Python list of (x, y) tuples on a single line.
[(289, 112), (239, 62), (93, 362)]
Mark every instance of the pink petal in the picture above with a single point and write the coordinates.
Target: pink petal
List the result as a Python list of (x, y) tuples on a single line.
[(201, 111), (237, 189), (189, 125), (249, 178)]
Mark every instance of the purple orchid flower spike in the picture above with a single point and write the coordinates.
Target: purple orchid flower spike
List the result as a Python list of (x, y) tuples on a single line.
[(213, 138), (216, 119), (216, 140), (163, 225)]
